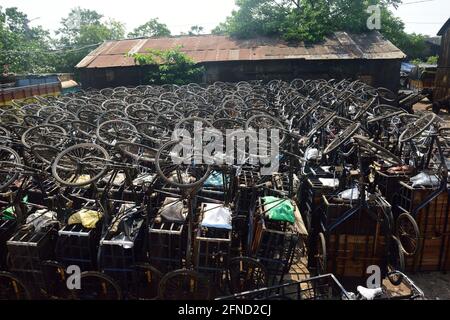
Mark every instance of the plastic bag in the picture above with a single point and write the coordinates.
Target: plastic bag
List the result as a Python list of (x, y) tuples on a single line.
[(216, 216), (312, 154), (329, 182), (41, 218), (88, 218), (215, 180), (425, 180), (173, 210), (143, 178), (279, 209), (349, 194)]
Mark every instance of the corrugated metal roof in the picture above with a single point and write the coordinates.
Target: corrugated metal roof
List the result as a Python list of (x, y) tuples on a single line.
[(211, 48)]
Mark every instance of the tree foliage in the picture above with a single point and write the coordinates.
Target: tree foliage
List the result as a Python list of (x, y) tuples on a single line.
[(312, 20), (169, 66), (79, 34), (23, 48), (195, 30), (152, 28)]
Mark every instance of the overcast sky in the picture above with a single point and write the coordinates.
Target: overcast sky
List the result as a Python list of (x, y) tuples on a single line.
[(425, 16)]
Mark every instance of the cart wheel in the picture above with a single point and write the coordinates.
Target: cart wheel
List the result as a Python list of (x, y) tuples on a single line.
[(416, 128), (408, 233), (183, 285), (246, 274), (8, 161), (321, 255), (11, 288), (183, 175), (147, 280), (80, 165), (396, 262), (97, 286)]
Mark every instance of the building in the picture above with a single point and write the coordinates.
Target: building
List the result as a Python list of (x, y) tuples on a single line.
[(21, 87), (442, 90), (432, 47), (366, 56)]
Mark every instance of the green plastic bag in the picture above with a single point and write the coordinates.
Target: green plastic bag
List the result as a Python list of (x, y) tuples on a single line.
[(279, 209), (8, 213)]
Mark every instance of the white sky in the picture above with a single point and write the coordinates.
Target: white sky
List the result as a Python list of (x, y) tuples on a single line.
[(425, 17)]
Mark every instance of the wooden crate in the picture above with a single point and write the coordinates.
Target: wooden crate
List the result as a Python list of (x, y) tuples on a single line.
[(311, 194), (350, 255), (434, 226), (388, 184), (355, 244)]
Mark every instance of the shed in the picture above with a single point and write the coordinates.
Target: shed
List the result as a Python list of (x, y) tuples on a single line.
[(442, 90), (367, 56)]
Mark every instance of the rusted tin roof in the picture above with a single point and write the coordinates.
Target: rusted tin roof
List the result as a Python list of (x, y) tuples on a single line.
[(211, 48)]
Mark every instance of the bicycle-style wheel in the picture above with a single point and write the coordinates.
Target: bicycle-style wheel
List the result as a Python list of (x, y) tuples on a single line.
[(177, 167), (184, 285), (97, 286), (48, 134), (80, 165), (12, 288), (9, 159), (408, 234), (246, 274)]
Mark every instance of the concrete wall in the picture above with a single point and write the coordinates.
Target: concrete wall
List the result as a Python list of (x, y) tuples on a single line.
[(379, 73)]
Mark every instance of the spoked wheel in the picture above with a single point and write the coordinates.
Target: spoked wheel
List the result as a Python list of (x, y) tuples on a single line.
[(375, 149), (179, 169), (97, 286), (396, 261), (227, 124), (147, 280), (383, 112), (416, 128), (264, 121), (193, 124), (45, 153), (9, 159), (80, 165), (48, 134), (341, 138), (408, 234), (321, 254), (12, 288), (386, 95), (321, 124), (184, 285), (246, 274), (84, 130), (137, 152), (153, 132), (113, 131)]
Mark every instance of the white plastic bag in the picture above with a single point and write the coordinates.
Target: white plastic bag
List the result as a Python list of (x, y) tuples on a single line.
[(425, 180), (349, 194), (216, 216), (329, 182), (312, 154)]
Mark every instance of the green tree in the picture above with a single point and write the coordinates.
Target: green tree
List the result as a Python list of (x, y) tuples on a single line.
[(152, 28), (169, 66), (23, 49), (195, 30), (312, 20), (81, 32)]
